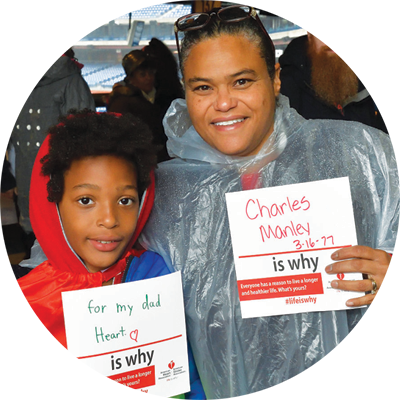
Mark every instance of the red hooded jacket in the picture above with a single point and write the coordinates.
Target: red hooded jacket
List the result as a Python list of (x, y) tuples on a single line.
[(38, 327)]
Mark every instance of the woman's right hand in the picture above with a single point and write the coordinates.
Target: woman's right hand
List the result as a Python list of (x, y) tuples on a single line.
[(7, 346)]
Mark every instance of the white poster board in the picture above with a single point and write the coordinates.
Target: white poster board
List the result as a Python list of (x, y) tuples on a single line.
[(133, 333), (283, 238)]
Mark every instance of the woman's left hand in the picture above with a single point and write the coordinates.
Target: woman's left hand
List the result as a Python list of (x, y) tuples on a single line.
[(362, 259)]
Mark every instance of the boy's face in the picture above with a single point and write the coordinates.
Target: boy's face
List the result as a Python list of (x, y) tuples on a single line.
[(99, 209)]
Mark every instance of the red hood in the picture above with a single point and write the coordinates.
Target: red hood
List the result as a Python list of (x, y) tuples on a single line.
[(47, 226), (64, 271)]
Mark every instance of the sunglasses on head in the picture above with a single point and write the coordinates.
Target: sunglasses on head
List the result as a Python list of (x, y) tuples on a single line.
[(229, 14)]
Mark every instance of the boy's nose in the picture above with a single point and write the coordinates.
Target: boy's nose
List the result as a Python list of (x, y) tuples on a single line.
[(108, 217)]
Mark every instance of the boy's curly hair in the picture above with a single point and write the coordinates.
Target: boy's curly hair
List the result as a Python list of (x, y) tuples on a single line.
[(85, 133)]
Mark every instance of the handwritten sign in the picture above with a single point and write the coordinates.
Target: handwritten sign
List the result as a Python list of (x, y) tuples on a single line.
[(282, 240), (133, 333)]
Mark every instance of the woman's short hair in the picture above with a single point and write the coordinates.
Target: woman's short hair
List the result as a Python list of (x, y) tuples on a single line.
[(248, 28)]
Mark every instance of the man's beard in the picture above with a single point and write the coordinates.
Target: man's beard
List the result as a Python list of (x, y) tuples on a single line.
[(331, 78)]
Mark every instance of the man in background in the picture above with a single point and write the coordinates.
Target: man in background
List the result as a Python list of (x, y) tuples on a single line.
[(320, 85)]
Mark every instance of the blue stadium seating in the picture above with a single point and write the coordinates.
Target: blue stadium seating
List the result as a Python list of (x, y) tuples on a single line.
[(102, 75), (141, 10)]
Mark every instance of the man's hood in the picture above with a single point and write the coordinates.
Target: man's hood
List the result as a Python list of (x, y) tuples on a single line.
[(296, 56), (295, 53)]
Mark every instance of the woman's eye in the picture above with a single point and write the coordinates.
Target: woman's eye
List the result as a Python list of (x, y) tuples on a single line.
[(202, 88), (126, 201), (85, 201), (242, 82)]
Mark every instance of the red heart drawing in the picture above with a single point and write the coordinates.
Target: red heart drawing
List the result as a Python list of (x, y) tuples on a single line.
[(171, 365), (134, 335), (340, 276)]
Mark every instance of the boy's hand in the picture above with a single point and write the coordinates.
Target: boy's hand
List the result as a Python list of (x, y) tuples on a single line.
[(9, 194), (7, 346)]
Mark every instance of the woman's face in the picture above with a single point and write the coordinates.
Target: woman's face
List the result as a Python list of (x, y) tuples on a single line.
[(230, 96)]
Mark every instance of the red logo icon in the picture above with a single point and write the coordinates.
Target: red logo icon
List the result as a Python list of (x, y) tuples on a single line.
[(340, 276), (171, 365)]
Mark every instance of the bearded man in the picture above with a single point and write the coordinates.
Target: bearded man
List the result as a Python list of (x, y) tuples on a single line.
[(320, 85)]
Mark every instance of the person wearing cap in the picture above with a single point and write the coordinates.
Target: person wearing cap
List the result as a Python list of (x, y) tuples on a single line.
[(320, 71), (389, 100), (376, 65), (136, 95), (48, 83)]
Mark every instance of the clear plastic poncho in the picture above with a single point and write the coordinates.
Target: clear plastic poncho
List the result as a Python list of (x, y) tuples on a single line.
[(189, 228)]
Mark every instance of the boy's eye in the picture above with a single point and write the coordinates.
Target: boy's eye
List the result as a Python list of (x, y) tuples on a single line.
[(85, 201), (126, 201)]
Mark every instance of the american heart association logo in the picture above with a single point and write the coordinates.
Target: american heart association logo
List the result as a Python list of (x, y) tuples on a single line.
[(171, 365)]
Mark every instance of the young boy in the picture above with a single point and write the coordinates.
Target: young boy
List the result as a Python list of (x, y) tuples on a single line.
[(92, 190)]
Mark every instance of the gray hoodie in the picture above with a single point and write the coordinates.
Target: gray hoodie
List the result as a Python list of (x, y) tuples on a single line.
[(47, 85)]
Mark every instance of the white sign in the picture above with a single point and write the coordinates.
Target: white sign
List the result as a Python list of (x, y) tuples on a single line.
[(282, 240), (133, 333)]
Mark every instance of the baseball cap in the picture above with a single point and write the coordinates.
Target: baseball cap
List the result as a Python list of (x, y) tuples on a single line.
[(134, 59), (56, 24)]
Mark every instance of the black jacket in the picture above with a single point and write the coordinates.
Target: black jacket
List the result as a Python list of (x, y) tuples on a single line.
[(387, 120), (296, 85), (129, 99)]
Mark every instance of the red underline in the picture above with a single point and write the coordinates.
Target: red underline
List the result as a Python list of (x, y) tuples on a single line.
[(130, 348), (297, 251)]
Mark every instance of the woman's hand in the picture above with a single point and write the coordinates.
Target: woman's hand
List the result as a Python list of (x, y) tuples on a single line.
[(366, 260), (7, 346)]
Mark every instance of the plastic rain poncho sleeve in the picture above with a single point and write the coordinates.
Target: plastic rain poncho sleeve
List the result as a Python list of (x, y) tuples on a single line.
[(189, 228)]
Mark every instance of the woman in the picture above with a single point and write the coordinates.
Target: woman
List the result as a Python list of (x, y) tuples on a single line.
[(236, 132), (137, 95), (243, 138)]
